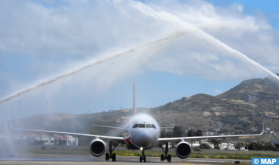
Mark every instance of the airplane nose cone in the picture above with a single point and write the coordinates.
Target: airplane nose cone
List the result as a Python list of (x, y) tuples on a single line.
[(145, 140)]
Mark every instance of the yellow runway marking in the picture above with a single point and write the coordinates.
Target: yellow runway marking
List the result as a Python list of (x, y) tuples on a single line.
[(48, 162), (194, 164)]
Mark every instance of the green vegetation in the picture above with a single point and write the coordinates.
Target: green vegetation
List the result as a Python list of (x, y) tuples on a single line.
[(236, 155), (258, 146), (195, 154), (239, 145), (215, 142), (248, 163), (193, 133), (205, 146)]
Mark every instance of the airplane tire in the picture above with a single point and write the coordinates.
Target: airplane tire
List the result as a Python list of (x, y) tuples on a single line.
[(114, 157), (107, 156), (144, 158), (162, 157), (169, 158), (140, 159)]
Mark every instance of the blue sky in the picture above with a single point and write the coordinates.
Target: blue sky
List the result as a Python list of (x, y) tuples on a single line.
[(268, 8), (44, 39)]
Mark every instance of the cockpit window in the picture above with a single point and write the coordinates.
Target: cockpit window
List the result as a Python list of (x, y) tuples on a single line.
[(148, 126), (144, 126), (141, 126)]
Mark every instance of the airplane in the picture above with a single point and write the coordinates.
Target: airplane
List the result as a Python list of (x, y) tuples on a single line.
[(143, 133)]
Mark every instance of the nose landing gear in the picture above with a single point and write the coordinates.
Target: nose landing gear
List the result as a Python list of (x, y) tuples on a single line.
[(166, 150), (142, 157), (110, 154)]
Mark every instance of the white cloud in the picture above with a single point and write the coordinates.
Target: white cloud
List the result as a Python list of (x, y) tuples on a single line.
[(61, 37), (217, 91)]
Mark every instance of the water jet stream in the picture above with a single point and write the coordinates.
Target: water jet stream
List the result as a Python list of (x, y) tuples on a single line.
[(175, 20), (111, 57)]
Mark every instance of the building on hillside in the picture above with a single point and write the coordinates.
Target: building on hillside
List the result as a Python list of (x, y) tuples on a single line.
[(195, 144), (268, 129), (227, 146), (209, 133), (47, 139), (71, 140), (58, 139), (216, 130)]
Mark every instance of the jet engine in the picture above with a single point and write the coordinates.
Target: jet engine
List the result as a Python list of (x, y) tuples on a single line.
[(183, 150), (97, 147)]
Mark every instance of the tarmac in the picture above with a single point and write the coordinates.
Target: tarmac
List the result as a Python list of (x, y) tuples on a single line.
[(49, 159)]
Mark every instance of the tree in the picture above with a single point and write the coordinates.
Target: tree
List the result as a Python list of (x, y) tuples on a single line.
[(215, 142), (162, 134), (199, 133), (205, 146), (177, 131), (168, 134), (268, 146), (246, 145), (239, 145), (191, 133), (255, 146)]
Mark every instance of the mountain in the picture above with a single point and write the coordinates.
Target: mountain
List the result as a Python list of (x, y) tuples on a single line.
[(260, 93), (238, 110)]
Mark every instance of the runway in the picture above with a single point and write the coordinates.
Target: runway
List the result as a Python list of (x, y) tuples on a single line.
[(49, 159)]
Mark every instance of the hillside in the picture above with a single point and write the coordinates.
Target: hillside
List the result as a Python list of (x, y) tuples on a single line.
[(238, 110), (262, 93)]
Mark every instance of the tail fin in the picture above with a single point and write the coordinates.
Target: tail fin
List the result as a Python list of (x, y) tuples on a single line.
[(134, 101)]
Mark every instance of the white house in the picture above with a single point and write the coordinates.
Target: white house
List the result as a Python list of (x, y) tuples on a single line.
[(228, 146)]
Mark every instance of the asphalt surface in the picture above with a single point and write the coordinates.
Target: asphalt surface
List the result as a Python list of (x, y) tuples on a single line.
[(48, 159)]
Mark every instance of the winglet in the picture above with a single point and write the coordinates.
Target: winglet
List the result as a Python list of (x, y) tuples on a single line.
[(263, 127)]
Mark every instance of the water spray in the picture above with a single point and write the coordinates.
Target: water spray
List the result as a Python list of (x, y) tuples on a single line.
[(91, 64), (173, 19)]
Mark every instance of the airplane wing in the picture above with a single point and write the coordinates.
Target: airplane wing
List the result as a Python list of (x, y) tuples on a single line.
[(109, 127), (177, 139), (70, 133)]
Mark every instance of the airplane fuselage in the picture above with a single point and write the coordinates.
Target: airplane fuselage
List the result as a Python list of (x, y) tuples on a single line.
[(142, 133)]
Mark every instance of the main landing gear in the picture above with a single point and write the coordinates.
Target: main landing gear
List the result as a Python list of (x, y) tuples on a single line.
[(166, 156), (110, 154), (142, 157)]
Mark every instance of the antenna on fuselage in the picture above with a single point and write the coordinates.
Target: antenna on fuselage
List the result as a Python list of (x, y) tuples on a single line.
[(134, 100)]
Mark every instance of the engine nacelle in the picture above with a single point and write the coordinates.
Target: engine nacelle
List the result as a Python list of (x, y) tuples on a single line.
[(183, 150), (97, 147)]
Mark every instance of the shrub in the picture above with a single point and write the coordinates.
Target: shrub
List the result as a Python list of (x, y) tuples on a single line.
[(205, 146), (197, 149), (43, 148), (239, 145)]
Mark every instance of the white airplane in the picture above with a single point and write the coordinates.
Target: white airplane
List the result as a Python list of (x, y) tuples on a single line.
[(143, 134)]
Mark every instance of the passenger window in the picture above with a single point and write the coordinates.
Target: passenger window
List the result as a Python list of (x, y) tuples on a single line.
[(148, 126), (141, 126), (154, 126)]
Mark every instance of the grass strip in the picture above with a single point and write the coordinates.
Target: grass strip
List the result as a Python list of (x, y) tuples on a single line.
[(195, 154)]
